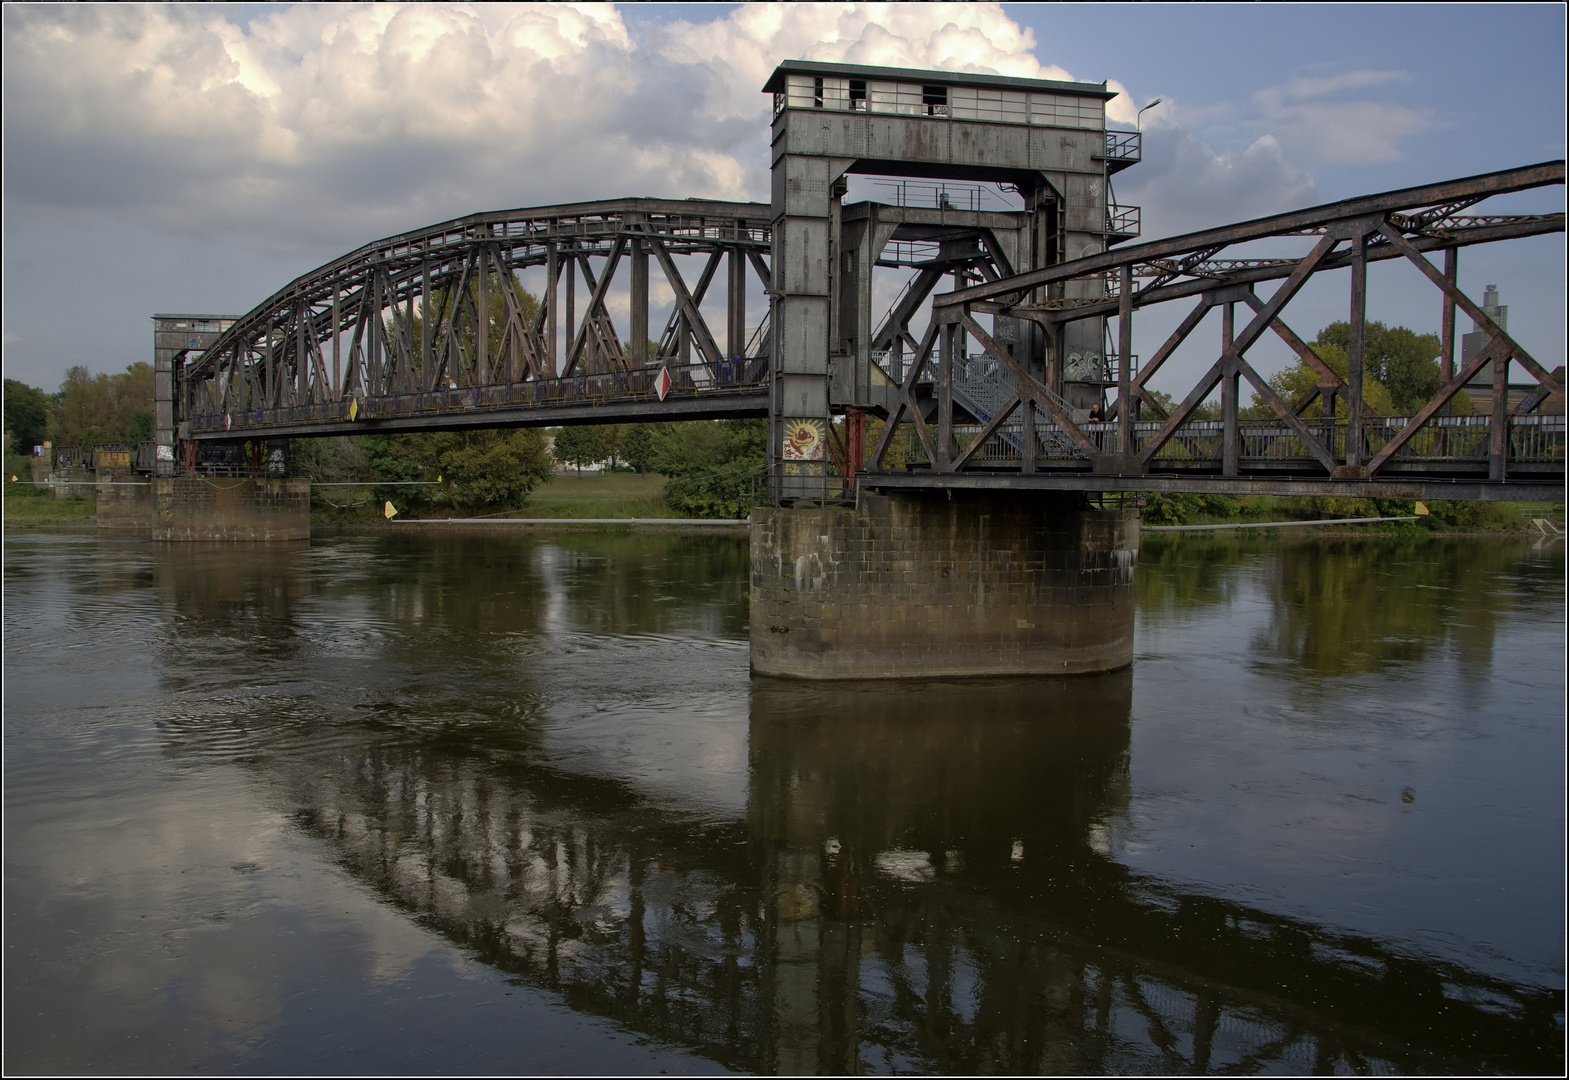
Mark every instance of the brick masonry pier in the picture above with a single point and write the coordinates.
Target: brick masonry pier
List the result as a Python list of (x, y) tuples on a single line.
[(124, 501), (913, 585), (213, 508)]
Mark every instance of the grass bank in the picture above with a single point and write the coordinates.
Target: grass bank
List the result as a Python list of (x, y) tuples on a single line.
[(1442, 517), (617, 495), (29, 507)]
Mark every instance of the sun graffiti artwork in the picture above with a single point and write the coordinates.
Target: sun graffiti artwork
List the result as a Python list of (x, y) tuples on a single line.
[(805, 439)]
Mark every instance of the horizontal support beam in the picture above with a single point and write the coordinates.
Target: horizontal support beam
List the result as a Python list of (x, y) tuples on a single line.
[(1382, 488), (1178, 290), (710, 405), (1296, 221)]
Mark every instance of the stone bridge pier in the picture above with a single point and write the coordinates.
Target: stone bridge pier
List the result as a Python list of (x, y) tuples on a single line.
[(943, 585)]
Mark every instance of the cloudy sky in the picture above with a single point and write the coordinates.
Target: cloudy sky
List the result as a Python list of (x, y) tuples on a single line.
[(195, 158)]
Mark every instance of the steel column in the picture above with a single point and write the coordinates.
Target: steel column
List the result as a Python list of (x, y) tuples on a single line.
[(1231, 435), (1125, 359), (1356, 349), (639, 304)]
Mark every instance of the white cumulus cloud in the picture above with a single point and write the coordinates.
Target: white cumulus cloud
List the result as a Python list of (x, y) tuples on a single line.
[(316, 127)]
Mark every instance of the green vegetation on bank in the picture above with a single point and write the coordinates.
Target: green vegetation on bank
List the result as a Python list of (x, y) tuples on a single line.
[(593, 495), (1442, 515), (26, 505)]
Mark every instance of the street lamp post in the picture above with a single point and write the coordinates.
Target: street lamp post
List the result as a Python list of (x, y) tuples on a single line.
[(1138, 120)]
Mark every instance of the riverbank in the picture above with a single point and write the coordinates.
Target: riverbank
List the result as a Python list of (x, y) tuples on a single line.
[(28, 507), (625, 502), (586, 496)]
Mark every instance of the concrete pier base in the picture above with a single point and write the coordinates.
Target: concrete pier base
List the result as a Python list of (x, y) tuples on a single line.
[(918, 585), (74, 482), (215, 508), (124, 501)]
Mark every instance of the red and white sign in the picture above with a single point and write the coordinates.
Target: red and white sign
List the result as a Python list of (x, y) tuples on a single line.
[(228, 421), (662, 383)]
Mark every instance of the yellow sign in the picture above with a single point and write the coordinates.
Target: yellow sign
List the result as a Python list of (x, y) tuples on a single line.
[(389, 511), (354, 411), (1422, 510)]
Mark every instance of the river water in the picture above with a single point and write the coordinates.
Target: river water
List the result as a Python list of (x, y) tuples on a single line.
[(424, 803)]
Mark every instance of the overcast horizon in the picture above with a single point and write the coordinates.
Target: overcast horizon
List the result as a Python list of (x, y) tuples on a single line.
[(197, 158)]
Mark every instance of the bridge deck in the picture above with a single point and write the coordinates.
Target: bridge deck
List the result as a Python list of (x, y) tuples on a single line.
[(696, 392)]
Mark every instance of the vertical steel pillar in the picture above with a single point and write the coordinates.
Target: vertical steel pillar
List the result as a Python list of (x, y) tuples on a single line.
[(482, 317), (1125, 360), (427, 363), (639, 357), (552, 279), (1446, 349), (337, 334), (1231, 434), (1357, 348), (735, 306), (560, 367), (1498, 427), (945, 397)]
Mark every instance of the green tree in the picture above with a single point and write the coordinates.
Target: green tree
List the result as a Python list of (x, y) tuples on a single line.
[(141, 427), (100, 407), (480, 471), (26, 416), (579, 445), (1206, 410), (1182, 508), (334, 459), (1401, 360), (710, 465), (1298, 379), (614, 435), (639, 445)]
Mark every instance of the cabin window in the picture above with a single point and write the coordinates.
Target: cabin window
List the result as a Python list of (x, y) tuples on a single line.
[(817, 92), (857, 95), (935, 98)]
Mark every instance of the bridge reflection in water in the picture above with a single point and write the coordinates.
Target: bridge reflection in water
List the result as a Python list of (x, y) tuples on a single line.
[(920, 878)]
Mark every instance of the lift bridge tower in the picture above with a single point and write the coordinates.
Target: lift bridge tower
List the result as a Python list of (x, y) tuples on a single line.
[(931, 138)]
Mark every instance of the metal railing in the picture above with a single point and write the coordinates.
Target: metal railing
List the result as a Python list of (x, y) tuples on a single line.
[(1123, 221), (1461, 440), (634, 385), (1124, 148), (943, 196)]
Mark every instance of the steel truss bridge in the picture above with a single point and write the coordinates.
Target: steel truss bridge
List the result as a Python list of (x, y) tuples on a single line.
[(1026, 436), (392, 337)]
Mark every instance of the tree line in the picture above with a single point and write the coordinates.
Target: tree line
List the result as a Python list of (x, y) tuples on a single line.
[(87, 410), (1400, 374), (708, 466)]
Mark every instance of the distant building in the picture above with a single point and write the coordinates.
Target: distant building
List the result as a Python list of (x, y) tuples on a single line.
[(1481, 387), (1476, 341)]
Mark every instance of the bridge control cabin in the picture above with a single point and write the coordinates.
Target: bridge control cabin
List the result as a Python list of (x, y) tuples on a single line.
[(930, 138), (176, 337)]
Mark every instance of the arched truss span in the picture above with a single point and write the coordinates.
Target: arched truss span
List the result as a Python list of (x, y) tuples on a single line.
[(395, 335)]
